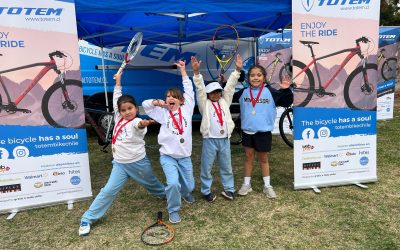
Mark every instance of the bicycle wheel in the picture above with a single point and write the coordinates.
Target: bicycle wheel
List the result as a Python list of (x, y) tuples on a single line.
[(388, 69), (285, 70), (304, 85), (359, 91), (286, 126), (61, 113)]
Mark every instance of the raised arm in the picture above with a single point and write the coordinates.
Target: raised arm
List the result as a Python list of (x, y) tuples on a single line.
[(229, 89), (187, 84), (117, 93), (199, 83)]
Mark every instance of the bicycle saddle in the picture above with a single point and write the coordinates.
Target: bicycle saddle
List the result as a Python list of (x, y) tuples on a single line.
[(308, 42)]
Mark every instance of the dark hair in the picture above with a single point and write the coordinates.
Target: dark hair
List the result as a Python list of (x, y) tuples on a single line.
[(124, 99), (261, 68), (175, 93), (242, 76)]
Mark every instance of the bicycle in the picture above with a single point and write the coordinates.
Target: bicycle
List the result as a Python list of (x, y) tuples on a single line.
[(62, 104), (389, 66), (359, 92), (286, 68)]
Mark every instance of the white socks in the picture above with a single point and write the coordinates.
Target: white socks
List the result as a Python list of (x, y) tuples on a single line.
[(247, 181), (266, 181)]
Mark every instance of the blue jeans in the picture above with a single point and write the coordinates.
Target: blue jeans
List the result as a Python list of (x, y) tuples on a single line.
[(180, 180), (212, 148), (140, 171)]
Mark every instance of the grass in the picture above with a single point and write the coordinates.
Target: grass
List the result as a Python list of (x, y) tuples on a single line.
[(344, 217)]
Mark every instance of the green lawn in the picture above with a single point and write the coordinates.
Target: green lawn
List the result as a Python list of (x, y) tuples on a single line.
[(344, 217)]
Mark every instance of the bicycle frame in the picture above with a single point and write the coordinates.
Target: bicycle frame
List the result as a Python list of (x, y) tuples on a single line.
[(51, 65), (353, 51)]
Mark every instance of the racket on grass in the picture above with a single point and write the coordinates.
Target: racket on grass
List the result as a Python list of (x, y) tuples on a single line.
[(131, 51), (159, 233), (225, 44)]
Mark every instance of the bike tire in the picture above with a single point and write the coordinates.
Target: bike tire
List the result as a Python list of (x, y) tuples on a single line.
[(304, 92), (53, 105), (389, 69), (286, 122), (285, 70), (354, 86)]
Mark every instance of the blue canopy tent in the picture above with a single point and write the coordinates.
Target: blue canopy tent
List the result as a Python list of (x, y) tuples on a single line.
[(112, 23)]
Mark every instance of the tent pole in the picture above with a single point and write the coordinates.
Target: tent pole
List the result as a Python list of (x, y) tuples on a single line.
[(104, 78)]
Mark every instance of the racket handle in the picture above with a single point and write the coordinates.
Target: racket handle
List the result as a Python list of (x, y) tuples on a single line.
[(120, 69)]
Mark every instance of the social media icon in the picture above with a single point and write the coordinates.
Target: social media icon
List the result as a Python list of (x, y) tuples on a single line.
[(21, 152), (324, 132), (4, 153), (308, 134)]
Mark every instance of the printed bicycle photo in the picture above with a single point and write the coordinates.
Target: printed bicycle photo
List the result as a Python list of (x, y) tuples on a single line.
[(61, 104), (356, 90)]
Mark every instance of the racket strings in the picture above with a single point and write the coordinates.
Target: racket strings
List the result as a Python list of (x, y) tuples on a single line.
[(157, 235)]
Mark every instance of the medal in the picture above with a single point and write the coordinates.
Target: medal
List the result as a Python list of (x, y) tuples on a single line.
[(222, 131), (218, 111), (117, 130), (182, 140), (254, 101), (179, 127)]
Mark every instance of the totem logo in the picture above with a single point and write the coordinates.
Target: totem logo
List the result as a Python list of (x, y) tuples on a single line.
[(341, 2), (28, 11), (307, 4)]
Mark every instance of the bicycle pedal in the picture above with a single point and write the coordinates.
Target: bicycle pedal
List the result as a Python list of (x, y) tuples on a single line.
[(25, 111)]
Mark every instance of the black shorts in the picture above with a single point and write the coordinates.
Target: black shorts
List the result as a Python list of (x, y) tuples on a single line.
[(260, 141)]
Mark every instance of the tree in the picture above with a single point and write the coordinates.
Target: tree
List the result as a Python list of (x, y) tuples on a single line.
[(390, 13)]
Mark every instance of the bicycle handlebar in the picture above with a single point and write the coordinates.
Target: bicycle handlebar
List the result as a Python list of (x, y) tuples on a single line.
[(362, 39), (57, 53)]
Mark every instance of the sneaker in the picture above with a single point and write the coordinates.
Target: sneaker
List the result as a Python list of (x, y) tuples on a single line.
[(84, 229), (245, 189), (189, 198), (210, 197), (228, 195), (269, 191), (174, 218)]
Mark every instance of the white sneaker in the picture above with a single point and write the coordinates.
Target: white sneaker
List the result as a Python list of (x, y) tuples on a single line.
[(245, 189), (269, 192), (84, 229)]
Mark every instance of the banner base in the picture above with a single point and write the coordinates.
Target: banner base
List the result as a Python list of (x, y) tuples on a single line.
[(12, 215)]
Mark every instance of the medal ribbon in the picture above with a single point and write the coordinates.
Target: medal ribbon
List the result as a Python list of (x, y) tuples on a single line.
[(117, 131), (180, 129), (218, 111), (254, 102)]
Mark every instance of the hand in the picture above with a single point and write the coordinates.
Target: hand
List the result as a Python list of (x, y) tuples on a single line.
[(117, 78), (145, 123), (286, 81), (238, 62), (159, 103), (180, 64), (195, 65)]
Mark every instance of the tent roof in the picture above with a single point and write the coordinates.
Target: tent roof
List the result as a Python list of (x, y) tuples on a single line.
[(113, 23)]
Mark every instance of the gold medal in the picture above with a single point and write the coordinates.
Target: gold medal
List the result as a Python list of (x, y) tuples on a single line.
[(222, 131), (253, 112), (182, 140)]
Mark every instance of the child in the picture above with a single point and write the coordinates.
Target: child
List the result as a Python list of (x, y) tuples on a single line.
[(130, 159), (258, 112), (175, 138), (216, 128)]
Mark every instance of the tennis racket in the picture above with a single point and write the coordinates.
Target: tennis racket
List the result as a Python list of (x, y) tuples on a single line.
[(225, 44), (131, 51), (159, 233)]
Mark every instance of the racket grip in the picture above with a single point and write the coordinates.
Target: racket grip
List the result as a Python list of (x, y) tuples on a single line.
[(119, 71)]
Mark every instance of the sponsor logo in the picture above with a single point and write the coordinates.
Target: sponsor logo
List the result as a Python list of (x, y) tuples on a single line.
[(56, 173), (38, 184), (308, 147), (10, 188), (363, 152), (331, 155), (364, 160), (75, 180), (29, 177), (164, 53), (277, 39), (307, 158), (350, 153), (74, 171), (4, 168), (10, 180), (341, 2), (29, 11), (387, 36), (312, 165), (339, 163)]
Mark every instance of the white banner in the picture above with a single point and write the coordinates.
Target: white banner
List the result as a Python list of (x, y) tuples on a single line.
[(43, 147)]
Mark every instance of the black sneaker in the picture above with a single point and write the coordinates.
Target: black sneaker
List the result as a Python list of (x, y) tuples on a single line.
[(210, 197), (228, 195)]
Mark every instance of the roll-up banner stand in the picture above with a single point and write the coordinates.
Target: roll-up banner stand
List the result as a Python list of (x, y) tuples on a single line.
[(43, 147), (275, 55), (389, 44), (335, 46)]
